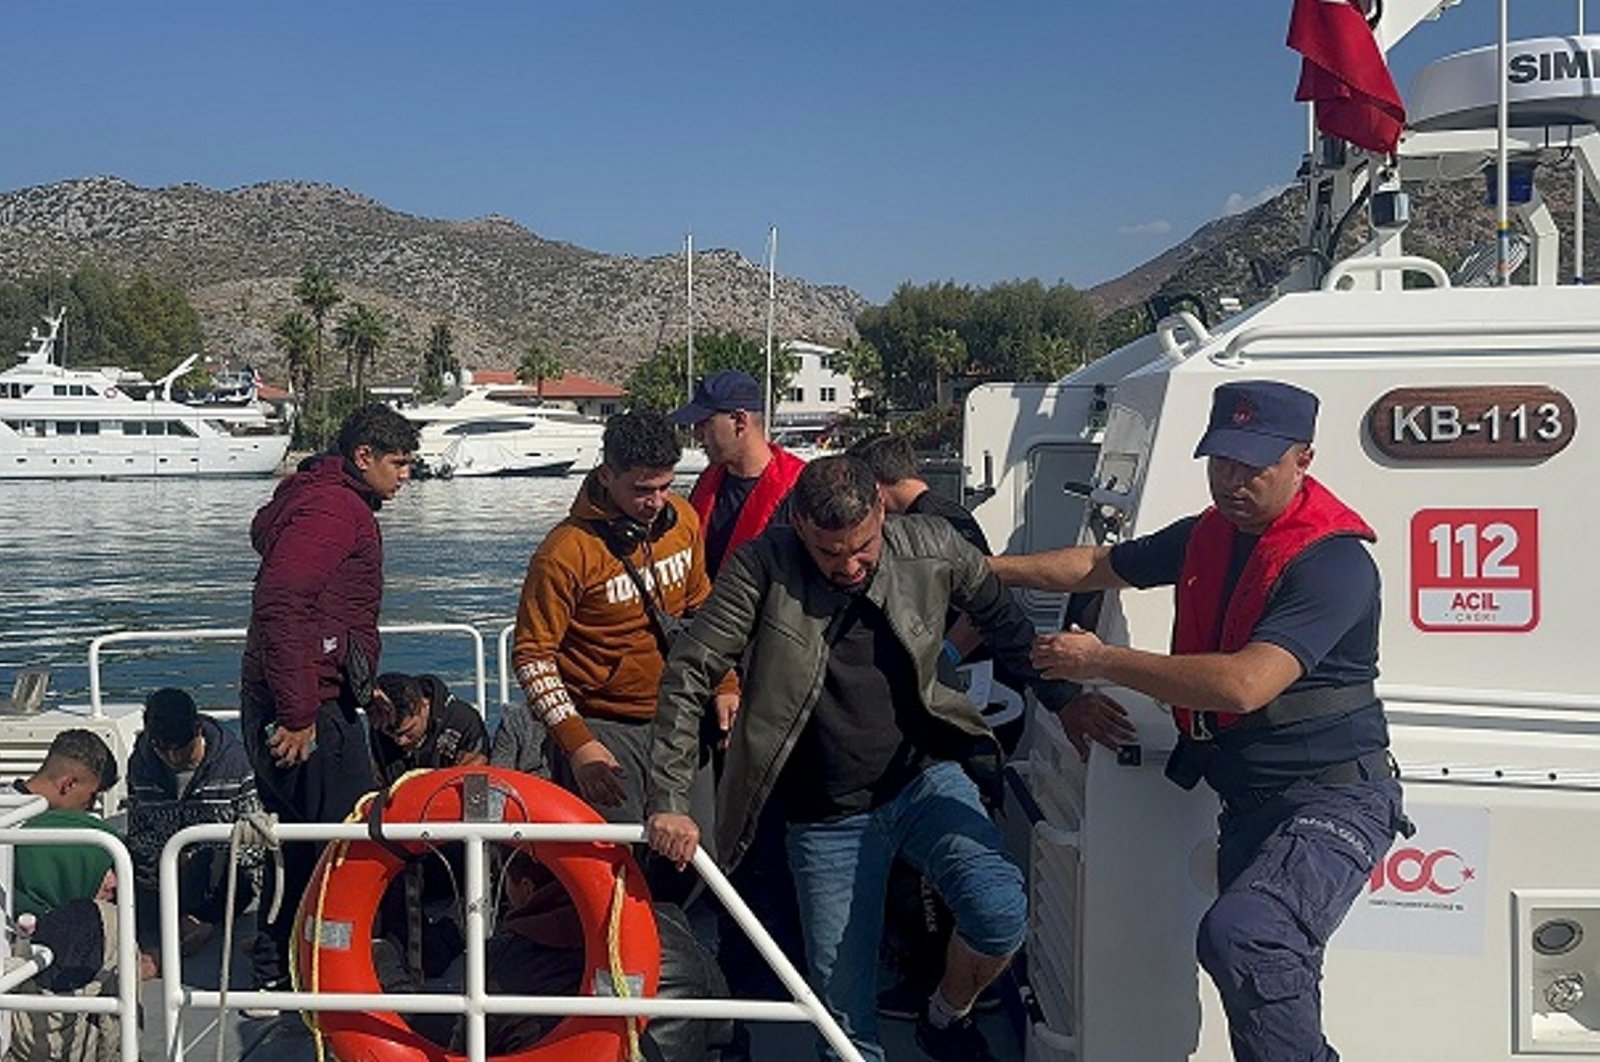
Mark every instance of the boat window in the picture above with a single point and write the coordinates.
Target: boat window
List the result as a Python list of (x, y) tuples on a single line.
[(133, 427), (66, 427), (14, 425), (487, 427), (75, 390), (155, 427), (178, 427), (60, 389), (88, 427)]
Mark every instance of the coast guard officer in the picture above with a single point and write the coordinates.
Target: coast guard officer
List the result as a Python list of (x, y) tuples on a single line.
[(1274, 653)]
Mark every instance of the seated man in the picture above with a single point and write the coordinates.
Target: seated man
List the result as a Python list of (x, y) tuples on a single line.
[(77, 766), (63, 894), (186, 770), (538, 950), (416, 723)]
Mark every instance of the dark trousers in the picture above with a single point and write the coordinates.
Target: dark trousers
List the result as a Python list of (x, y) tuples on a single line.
[(202, 892), (630, 744), (324, 788), (1288, 872)]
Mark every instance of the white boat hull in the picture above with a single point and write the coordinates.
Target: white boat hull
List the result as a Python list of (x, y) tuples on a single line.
[(116, 457)]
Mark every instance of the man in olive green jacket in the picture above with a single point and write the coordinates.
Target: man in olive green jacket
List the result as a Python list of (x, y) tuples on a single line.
[(839, 622)]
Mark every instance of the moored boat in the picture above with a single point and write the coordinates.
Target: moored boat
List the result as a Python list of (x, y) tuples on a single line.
[(63, 423)]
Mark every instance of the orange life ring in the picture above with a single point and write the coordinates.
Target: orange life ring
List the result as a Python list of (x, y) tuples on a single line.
[(333, 927)]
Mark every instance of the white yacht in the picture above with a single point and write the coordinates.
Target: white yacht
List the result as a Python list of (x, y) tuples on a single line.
[(497, 431), (61, 423)]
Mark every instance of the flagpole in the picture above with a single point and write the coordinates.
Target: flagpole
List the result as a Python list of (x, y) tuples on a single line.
[(772, 305), (688, 265), (1578, 195), (1502, 175)]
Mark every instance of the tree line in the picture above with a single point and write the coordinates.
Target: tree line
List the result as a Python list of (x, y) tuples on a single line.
[(146, 324), (915, 355)]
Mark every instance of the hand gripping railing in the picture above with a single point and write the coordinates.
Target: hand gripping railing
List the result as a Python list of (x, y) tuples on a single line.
[(126, 1002), (474, 1001), (216, 634)]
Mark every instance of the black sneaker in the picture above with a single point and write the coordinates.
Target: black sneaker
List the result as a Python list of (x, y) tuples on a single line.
[(960, 1041)]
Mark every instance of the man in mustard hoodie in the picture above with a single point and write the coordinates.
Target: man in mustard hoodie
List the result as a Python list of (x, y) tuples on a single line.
[(603, 597)]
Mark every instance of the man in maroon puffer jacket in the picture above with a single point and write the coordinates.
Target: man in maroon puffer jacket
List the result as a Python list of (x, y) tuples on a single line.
[(312, 650)]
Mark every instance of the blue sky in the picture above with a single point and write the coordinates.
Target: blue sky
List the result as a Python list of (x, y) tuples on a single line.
[(915, 140)]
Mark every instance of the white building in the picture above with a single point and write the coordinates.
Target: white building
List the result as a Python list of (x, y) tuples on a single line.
[(818, 394)]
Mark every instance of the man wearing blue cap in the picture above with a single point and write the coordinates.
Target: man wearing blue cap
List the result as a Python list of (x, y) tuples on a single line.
[(1270, 679), (746, 485)]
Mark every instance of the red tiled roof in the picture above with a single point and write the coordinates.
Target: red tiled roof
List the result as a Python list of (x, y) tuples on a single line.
[(570, 386)]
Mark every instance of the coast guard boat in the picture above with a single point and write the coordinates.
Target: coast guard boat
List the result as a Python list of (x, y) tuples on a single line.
[(1453, 417), (61, 423)]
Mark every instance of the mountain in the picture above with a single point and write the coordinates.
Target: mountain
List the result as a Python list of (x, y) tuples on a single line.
[(238, 254), (1245, 254)]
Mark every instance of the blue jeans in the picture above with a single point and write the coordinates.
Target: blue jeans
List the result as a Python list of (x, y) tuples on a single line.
[(1288, 873), (841, 872)]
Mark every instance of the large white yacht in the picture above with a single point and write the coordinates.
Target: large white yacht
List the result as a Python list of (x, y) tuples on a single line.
[(497, 431), (61, 423)]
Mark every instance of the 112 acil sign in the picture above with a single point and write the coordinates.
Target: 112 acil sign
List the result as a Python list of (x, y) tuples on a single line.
[(1475, 569)]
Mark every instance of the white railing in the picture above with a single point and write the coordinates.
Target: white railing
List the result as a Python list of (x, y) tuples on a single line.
[(503, 655), (474, 1001), (217, 634), (125, 1004)]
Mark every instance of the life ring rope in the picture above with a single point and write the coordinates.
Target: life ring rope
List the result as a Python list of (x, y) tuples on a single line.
[(619, 976)]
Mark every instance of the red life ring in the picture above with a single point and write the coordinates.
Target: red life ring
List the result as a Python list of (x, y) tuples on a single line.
[(333, 928)]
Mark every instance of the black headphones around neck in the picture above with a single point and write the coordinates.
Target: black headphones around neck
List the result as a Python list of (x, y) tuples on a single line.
[(624, 534)]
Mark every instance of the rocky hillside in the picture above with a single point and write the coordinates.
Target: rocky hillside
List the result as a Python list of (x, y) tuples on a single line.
[(238, 254), (1245, 255)]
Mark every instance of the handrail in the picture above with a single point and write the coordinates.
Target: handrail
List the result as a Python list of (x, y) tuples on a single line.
[(503, 655), (212, 634), (1476, 698), (126, 1003), (1405, 263), (1168, 325), (1585, 336), (473, 1001), (38, 961)]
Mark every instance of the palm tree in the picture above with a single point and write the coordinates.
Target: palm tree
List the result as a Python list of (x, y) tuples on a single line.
[(295, 336), (948, 352), (537, 366), (361, 334), (318, 293)]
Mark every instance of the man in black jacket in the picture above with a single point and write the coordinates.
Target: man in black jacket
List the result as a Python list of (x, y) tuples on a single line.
[(417, 723), (186, 770)]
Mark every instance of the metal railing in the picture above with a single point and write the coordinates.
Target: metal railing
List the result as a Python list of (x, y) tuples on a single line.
[(125, 1004), (216, 634), (474, 1001)]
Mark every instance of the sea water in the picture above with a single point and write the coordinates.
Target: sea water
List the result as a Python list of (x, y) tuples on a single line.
[(80, 559)]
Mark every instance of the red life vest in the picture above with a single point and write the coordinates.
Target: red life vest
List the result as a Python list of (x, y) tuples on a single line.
[(764, 499), (1205, 622)]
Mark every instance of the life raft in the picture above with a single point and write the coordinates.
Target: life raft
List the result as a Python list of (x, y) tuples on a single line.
[(333, 927)]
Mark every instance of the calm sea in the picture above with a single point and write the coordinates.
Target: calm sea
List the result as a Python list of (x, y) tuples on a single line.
[(79, 559)]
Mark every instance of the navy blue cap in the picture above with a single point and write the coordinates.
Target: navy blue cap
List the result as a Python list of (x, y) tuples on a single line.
[(1255, 421), (721, 392)]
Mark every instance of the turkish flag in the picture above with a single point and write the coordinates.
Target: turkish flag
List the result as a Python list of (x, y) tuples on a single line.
[(1344, 73)]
